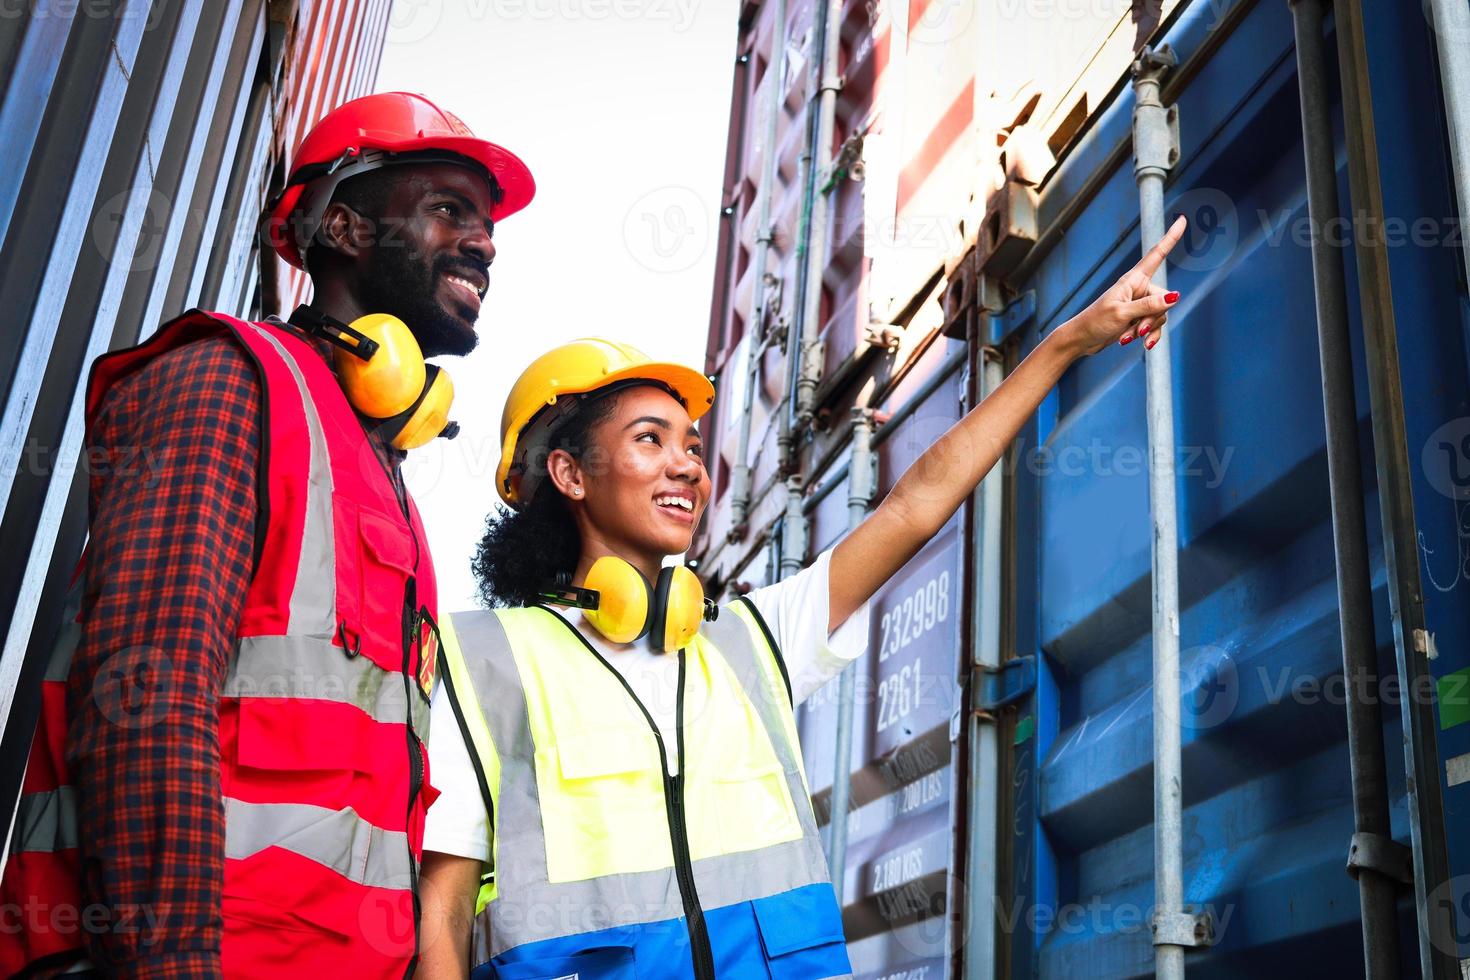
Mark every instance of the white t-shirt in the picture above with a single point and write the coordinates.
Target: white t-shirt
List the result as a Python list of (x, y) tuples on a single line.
[(795, 609)]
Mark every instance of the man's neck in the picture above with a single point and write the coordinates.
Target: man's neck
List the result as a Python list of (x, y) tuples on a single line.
[(335, 300)]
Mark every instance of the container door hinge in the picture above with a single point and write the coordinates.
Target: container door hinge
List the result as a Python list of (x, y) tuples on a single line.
[(1189, 929), (1381, 854), (996, 687)]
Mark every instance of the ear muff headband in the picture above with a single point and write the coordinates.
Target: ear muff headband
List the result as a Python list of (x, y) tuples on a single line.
[(428, 417), (658, 620)]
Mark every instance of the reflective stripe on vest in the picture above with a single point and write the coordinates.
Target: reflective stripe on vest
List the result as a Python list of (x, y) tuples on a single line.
[(529, 906), (337, 839), (312, 668), (314, 593)]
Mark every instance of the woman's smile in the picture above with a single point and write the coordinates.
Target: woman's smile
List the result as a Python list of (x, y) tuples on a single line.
[(677, 505)]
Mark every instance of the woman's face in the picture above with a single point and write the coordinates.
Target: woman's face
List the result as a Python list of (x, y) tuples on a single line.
[(644, 485)]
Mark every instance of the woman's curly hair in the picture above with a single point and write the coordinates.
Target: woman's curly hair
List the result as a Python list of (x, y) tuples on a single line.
[(523, 551)]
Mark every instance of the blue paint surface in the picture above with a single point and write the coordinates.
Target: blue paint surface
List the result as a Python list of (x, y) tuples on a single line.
[(1266, 785)]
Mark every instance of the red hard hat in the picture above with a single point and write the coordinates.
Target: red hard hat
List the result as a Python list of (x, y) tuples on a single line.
[(361, 135)]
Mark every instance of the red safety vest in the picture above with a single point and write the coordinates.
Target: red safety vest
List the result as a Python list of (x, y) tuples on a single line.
[(323, 714)]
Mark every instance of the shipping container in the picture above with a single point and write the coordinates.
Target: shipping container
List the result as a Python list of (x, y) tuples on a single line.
[(973, 187), (138, 144)]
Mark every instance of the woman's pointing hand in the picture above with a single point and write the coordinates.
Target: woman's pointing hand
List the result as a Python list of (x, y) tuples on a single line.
[(1132, 308)]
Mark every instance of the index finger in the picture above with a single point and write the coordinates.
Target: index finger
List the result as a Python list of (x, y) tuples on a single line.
[(1155, 256)]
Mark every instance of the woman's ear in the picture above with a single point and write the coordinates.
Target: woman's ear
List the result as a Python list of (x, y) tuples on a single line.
[(565, 474)]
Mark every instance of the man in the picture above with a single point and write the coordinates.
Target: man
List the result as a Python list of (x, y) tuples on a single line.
[(230, 767)]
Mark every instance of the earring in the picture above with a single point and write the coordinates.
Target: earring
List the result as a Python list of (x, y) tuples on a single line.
[(577, 491)]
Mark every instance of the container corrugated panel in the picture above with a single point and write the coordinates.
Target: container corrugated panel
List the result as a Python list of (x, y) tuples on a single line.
[(899, 881), (901, 826), (1268, 816), (1265, 768), (136, 146)]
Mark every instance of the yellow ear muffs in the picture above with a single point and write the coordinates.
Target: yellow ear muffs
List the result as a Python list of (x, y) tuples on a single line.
[(392, 377), (621, 605), (391, 385), (624, 599), (427, 418), (678, 609)]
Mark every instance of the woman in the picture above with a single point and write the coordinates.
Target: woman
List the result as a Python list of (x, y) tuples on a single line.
[(645, 812)]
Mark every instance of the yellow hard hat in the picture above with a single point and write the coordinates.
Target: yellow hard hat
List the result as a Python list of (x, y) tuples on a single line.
[(577, 368)]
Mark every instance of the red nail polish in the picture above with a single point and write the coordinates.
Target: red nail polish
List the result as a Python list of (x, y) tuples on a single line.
[(1150, 344), (1126, 340), (1171, 297), (1143, 330)]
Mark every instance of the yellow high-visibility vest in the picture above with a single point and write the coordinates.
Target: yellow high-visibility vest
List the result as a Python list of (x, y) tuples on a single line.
[(603, 864)]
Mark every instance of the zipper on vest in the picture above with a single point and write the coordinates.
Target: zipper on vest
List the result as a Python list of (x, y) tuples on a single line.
[(415, 755), (699, 946)]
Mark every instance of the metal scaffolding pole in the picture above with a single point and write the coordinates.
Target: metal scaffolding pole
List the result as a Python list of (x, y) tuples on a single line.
[(1437, 943), (1155, 151), (765, 232), (1367, 765), (980, 869), (862, 482)]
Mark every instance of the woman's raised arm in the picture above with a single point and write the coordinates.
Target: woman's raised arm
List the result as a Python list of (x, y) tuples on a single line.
[(930, 491)]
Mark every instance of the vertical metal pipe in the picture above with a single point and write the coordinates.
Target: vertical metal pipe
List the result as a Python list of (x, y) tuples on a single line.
[(1437, 942), (980, 873), (1366, 755), (764, 232), (802, 347), (810, 361), (793, 530), (861, 483), (1153, 156), (1450, 22)]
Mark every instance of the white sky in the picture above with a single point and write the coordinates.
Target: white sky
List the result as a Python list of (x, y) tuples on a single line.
[(620, 109)]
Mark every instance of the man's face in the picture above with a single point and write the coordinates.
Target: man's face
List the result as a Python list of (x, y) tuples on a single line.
[(429, 263)]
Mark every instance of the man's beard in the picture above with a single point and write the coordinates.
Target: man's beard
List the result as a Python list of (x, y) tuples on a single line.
[(402, 283)]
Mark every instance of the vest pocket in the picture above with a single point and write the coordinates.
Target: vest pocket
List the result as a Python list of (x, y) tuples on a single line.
[(605, 963), (385, 564), (751, 807), (598, 792), (801, 933)]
